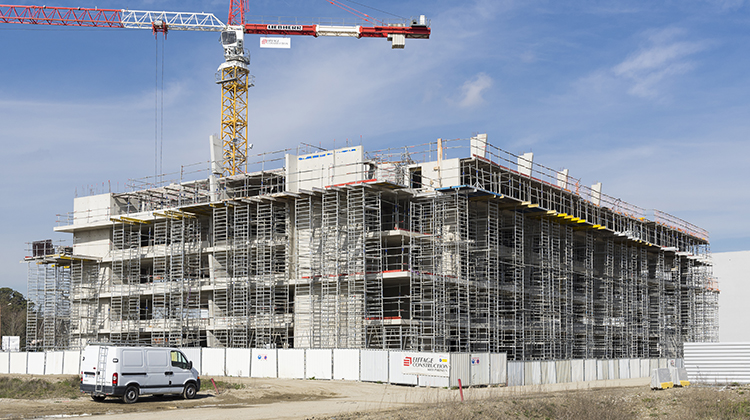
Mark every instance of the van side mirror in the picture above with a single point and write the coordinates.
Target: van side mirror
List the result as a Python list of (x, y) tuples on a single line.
[(190, 365)]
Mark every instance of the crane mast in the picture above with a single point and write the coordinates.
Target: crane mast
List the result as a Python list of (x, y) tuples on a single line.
[(235, 80), (233, 75)]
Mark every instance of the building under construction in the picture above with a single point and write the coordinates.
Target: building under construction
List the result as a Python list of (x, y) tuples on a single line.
[(447, 246)]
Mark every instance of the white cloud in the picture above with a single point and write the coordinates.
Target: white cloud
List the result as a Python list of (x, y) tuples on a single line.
[(473, 89), (727, 4), (662, 58)]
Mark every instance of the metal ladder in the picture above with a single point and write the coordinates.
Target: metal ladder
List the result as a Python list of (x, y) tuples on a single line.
[(101, 370)]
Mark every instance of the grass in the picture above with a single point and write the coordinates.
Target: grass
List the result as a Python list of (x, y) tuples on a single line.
[(717, 404), (206, 385), (692, 403), (31, 389)]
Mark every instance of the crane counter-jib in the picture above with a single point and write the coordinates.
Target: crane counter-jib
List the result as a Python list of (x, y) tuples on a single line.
[(356, 31)]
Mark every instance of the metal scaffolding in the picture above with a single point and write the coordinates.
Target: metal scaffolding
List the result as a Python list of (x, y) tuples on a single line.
[(468, 254)]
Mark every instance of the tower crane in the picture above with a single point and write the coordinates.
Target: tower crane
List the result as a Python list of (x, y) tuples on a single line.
[(233, 73)]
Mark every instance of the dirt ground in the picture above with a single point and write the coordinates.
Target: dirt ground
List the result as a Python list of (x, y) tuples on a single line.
[(316, 399)]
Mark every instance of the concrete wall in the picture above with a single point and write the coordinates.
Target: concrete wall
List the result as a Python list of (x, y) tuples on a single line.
[(325, 168), (732, 269)]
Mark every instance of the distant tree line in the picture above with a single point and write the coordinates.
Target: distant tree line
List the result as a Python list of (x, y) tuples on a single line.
[(12, 314)]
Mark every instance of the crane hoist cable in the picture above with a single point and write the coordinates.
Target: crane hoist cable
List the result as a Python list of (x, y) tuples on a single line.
[(158, 109)]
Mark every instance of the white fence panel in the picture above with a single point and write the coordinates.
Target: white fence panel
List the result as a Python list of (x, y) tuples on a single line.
[(373, 366), (645, 368), (589, 370), (624, 368), (4, 362), (663, 364), (72, 362), (54, 363), (193, 354), (263, 363), (498, 368), (291, 363), (319, 363), (515, 373), (346, 364), (614, 369), (549, 375), (602, 370), (238, 362), (36, 363), (395, 372), (635, 368), (212, 362), (532, 374), (18, 362), (576, 370), (480, 369), (460, 369), (652, 364), (434, 381), (563, 371)]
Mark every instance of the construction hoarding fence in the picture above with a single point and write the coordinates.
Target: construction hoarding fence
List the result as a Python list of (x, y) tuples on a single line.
[(381, 366)]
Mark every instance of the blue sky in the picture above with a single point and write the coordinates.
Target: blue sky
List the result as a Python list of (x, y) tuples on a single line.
[(649, 98)]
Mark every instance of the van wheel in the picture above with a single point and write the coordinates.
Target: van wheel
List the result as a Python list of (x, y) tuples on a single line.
[(131, 394), (98, 398), (189, 392)]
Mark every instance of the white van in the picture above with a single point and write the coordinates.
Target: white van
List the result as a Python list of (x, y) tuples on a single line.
[(129, 372)]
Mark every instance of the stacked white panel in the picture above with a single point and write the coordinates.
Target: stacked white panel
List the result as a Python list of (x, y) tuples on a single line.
[(718, 362)]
